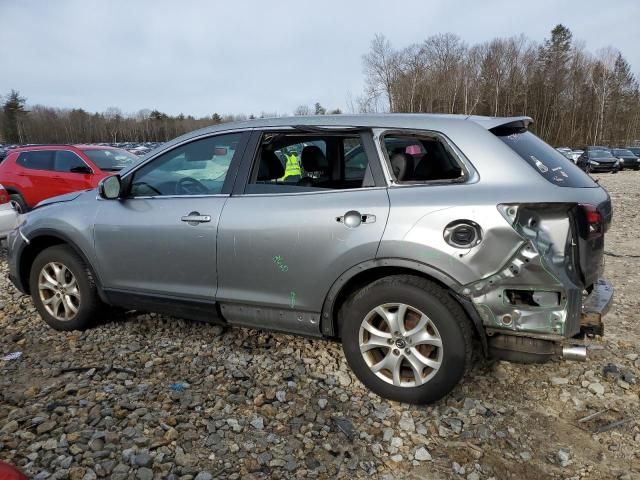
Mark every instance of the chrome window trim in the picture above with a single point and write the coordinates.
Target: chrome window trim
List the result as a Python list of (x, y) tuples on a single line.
[(339, 131), (321, 191), (153, 197)]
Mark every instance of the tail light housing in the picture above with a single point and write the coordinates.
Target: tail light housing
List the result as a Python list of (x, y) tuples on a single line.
[(594, 221), (4, 196)]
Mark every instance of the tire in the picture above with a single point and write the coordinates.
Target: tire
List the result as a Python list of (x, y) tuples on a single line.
[(18, 203), (84, 297), (447, 321)]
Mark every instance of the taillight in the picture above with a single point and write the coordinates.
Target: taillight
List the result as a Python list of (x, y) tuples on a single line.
[(593, 218), (4, 196)]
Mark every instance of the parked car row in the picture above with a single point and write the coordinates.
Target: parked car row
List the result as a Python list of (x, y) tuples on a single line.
[(598, 158), (137, 148)]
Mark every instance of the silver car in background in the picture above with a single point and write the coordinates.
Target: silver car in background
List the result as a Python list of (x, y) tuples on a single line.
[(8, 214), (403, 236)]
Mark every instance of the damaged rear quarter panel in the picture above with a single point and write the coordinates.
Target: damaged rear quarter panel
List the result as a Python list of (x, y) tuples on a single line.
[(521, 258)]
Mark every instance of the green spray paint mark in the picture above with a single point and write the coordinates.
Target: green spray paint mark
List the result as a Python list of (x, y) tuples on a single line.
[(279, 261), (292, 303)]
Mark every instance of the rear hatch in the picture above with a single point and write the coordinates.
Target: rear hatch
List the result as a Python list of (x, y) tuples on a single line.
[(588, 204)]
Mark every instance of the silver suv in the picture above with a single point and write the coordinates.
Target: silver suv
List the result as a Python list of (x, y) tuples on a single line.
[(406, 237)]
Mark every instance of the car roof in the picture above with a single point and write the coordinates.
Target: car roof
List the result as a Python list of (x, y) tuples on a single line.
[(418, 121), (43, 146), (86, 146)]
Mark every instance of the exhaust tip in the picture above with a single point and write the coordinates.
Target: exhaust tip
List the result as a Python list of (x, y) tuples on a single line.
[(574, 352)]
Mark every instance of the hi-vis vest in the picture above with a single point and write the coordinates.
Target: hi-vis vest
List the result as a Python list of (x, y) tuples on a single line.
[(292, 167)]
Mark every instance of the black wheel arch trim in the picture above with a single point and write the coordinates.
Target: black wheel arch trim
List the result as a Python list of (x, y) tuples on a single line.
[(329, 315), (64, 238)]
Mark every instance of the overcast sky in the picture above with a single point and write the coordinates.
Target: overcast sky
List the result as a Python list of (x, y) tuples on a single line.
[(200, 57)]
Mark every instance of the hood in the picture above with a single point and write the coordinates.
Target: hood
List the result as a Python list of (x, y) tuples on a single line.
[(67, 197)]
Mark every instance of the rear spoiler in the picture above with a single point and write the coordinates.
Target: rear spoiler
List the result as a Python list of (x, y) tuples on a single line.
[(491, 123)]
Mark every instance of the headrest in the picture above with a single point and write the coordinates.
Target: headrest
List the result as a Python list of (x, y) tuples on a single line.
[(271, 167), (313, 160), (402, 166)]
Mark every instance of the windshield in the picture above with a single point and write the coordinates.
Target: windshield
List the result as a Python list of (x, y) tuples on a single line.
[(599, 154), (112, 159), (543, 158), (622, 151)]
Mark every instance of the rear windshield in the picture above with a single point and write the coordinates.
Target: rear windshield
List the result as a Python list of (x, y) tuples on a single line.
[(543, 158), (623, 152)]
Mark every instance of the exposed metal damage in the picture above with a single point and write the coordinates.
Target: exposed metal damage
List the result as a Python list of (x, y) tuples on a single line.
[(535, 297)]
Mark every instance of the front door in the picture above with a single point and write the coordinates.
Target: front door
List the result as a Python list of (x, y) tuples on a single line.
[(160, 240), (72, 172), (284, 240)]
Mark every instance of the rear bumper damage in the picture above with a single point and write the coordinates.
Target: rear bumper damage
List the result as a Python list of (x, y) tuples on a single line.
[(534, 306), (595, 306)]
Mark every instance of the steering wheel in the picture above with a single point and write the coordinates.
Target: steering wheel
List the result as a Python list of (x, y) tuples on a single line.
[(190, 186)]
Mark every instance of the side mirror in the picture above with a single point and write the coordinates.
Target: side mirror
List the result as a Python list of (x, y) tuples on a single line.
[(109, 188), (81, 169)]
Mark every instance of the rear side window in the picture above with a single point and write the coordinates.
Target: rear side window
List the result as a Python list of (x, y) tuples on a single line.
[(36, 160), (543, 158), (416, 158)]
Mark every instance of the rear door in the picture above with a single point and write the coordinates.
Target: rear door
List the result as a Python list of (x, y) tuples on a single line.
[(37, 177), (283, 241)]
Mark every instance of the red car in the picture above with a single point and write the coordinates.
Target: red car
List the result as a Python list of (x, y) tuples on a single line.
[(35, 173)]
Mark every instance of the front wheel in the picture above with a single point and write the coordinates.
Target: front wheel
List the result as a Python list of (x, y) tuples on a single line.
[(18, 203), (63, 289), (406, 339)]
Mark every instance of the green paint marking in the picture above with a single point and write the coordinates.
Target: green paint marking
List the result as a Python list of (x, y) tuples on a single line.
[(292, 304), (279, 261)]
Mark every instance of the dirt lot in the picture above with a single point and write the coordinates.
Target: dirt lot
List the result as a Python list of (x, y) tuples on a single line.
[(167, 398)]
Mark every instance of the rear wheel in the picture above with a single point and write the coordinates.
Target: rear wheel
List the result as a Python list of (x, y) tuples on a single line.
[(18, 203), (406, 339), (63, 289)]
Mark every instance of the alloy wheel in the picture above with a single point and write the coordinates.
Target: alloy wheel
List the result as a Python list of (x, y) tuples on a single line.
[(401, 345), (16, 206), (59, 292)]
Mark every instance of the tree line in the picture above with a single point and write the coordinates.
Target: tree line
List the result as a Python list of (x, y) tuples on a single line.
[(576, 98), (41, 124)]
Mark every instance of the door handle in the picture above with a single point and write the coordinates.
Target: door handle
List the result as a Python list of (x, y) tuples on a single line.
[(194, 218), (353, 219)]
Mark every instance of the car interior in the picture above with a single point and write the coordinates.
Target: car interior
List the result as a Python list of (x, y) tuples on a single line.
[(295, 162), (420, 159)]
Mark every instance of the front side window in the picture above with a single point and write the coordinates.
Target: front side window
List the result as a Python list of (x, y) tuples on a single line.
[(290, 162), (196, 168), (416, 158), (68, 162), (36, 160)]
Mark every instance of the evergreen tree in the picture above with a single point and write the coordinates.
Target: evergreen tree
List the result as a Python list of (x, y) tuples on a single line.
[(13, 110)]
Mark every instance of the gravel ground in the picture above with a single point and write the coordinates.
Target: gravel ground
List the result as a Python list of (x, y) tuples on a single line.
[(163, 398)]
